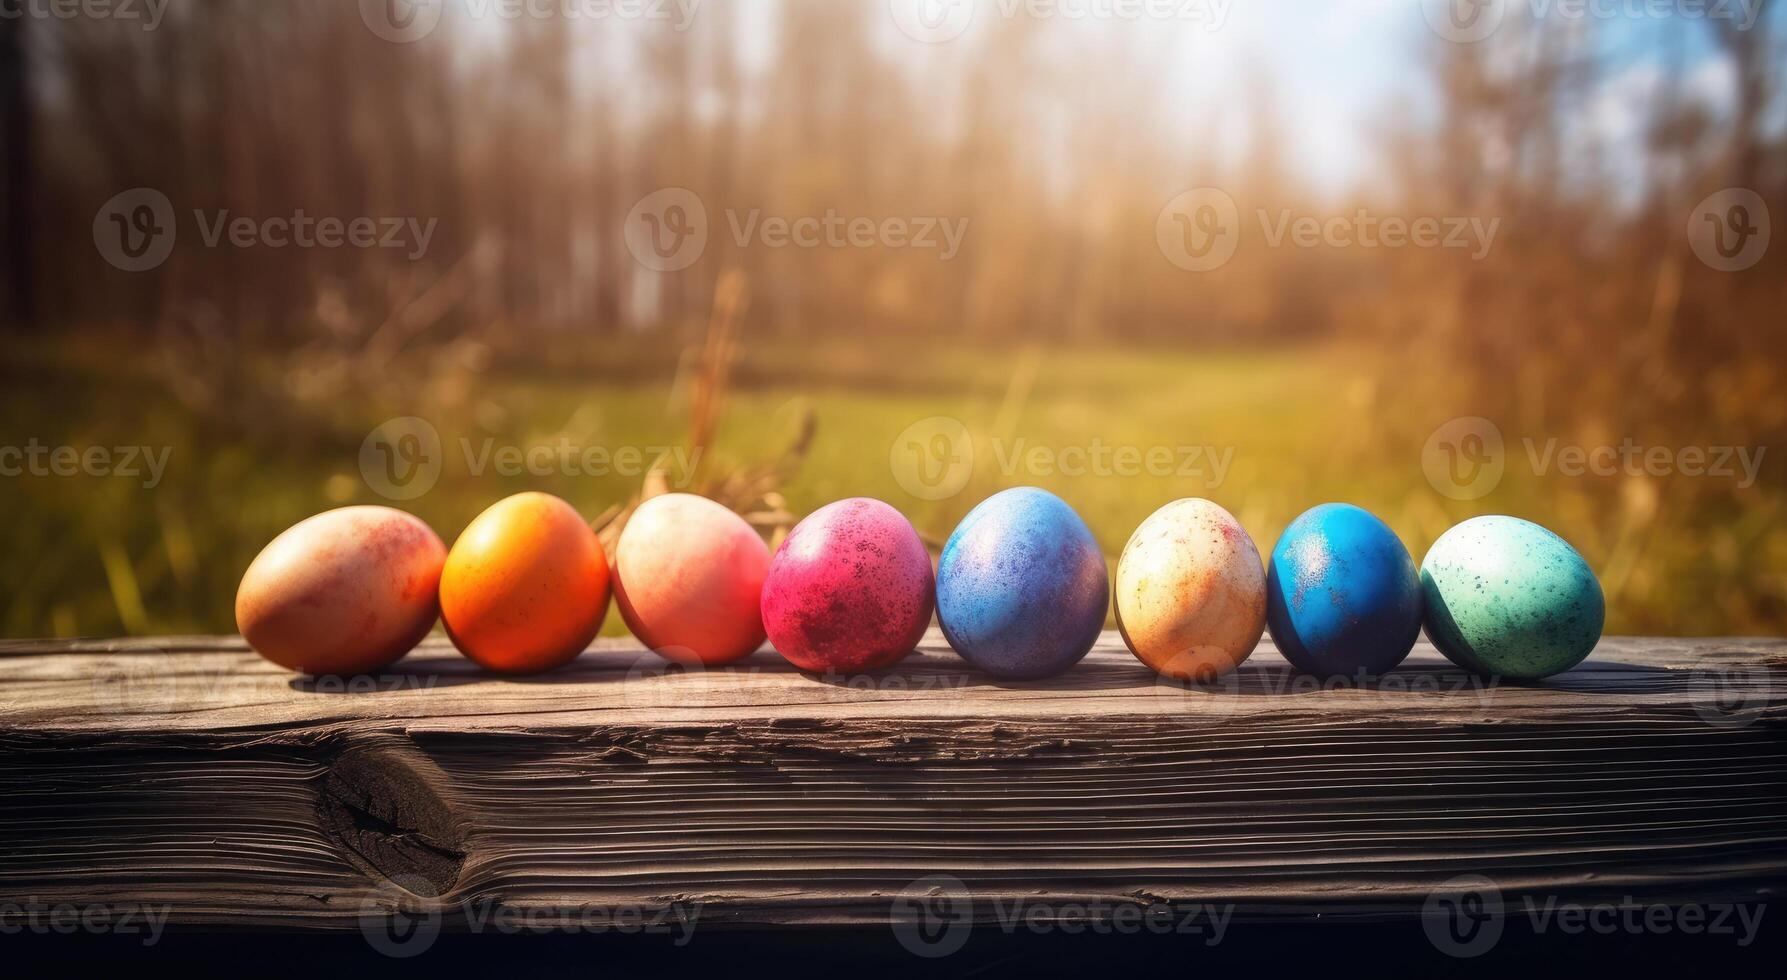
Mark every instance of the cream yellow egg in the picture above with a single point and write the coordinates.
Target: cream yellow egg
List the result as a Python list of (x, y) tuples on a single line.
[(1191, 591)]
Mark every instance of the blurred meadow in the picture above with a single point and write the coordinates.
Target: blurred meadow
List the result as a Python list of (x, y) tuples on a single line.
[(1076, 317)]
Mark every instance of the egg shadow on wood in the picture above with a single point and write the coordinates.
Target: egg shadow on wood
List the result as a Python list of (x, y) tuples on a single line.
[(401, 676), (933, 670)]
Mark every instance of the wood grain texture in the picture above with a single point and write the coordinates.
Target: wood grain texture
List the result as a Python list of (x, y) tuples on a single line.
[(186, 772)]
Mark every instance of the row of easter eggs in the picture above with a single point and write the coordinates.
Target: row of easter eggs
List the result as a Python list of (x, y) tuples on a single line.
[(1020, 590)]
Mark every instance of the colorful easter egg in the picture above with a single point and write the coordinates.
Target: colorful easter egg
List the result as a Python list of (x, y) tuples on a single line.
[(688, 577), (348, 591), (1021, 588), (849, 590), (1342, 595), (525, 587), (1191, 592), (1507, 597)]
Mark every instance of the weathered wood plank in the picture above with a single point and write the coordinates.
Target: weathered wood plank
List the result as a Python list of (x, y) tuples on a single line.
[(187, 772)]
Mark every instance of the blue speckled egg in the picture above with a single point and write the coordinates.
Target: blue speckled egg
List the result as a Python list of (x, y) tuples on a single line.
[(1021, 588), (1342, 595), (1508, 597)]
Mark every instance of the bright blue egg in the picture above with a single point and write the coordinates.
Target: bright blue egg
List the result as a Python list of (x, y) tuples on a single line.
[(1021, 587), (1342, 594)]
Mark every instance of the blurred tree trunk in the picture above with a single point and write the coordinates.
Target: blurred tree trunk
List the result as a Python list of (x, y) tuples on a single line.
[(18, 301)]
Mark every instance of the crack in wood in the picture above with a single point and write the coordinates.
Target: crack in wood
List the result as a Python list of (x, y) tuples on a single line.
[(383, 803)]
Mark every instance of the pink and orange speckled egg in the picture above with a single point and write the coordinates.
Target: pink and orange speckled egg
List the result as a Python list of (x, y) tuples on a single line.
[(1191, 591), (348, 591), (688, 577), (851, 589)]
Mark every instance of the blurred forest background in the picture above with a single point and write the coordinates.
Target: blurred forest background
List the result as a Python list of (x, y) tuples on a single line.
[(1060, 322)]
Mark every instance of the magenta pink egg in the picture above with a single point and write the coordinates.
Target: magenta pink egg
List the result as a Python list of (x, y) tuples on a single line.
[(851, 589)]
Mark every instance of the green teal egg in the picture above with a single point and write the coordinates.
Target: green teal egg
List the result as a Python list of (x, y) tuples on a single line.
[(1507, 597)]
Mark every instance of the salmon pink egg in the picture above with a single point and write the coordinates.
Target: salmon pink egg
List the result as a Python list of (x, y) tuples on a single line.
[(525, 587), (688, 574), (345, 592), (851, 589)]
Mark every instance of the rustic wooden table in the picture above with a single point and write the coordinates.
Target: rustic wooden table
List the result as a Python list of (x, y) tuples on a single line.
[(189, 773)]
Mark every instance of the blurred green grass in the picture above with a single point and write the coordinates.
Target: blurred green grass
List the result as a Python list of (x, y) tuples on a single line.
[(94, 555)]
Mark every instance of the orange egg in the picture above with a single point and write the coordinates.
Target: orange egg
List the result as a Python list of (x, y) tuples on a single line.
[(688, 576), (525, 587)]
